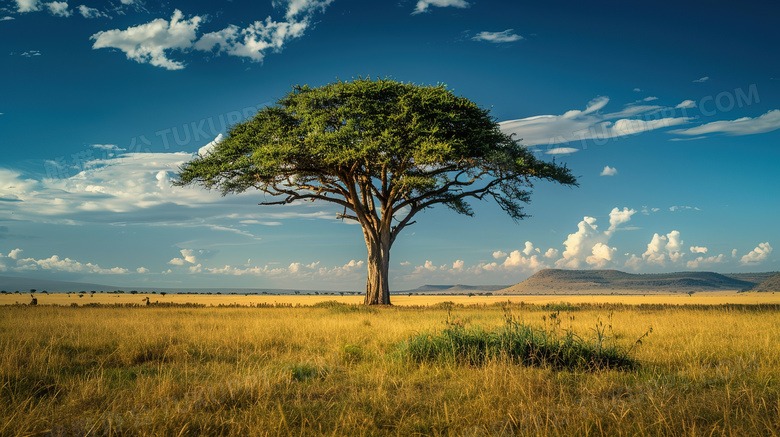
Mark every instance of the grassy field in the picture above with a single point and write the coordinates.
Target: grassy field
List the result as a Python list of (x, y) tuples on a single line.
[(334, 368)]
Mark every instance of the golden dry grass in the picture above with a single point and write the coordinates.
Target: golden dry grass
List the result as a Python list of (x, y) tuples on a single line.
[(340, 370)]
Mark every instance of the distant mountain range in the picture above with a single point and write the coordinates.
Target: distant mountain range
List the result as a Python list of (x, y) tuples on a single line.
[(556, 281), (549, 281)]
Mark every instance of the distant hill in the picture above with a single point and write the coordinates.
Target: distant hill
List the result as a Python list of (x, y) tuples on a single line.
[(772, 284), (755, 278), (12, 283), (555, 281)]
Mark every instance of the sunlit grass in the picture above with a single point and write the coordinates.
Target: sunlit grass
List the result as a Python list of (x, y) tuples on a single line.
[(337, 369)]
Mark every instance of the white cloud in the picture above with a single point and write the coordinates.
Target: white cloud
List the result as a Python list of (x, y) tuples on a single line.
[(59, 9), (649, 99), (686, 104), (88, 12), (516, 260), (31, 53), (662, 248), (742, 126), (757, 255), (590, 123), (151, 42), (701, 79), (636, 90), (427, 266), (601, 254), (499, 254), (28, 5), (683, 208), (579, 245), (458, 265), (176, 262), (254, 41), (551, 253), (698, 249), (562, 151), (529, 249), (589, 245), (423, 5), (705, 262), (208, 148), (498, 37), (304, 7), (608, 171), (57, 264), (617, 217), (142, 270)]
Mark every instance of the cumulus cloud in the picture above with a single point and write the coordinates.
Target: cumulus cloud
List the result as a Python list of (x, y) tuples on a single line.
[(701, 262), (499, 254), (742, 126), (59, 9), (423, 5), (28, 5), (757, 255), (589, 123), (662, 248), (551, 253), (152, 42), (608, 171), (589, 245), (698, 249), (498, 37), (55, 263), (619, 216)]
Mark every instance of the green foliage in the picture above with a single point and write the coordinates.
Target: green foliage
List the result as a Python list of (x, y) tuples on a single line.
[(414, 142), (518, 343)]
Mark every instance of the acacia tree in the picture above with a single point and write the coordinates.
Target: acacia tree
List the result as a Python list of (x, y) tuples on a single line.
[(382, 151)]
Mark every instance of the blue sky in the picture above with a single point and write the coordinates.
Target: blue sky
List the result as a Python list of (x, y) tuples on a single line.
[(668, 112)]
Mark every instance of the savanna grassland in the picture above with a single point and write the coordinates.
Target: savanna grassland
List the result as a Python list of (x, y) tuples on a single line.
[(340, 369)]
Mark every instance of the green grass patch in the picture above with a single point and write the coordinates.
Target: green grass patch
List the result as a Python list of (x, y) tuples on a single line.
[(520, 344)]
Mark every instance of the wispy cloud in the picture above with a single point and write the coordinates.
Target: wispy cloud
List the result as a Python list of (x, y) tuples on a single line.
[(742, 126), (701, 79), (498, 37), (424, 5), (88, 12), (590, 123)]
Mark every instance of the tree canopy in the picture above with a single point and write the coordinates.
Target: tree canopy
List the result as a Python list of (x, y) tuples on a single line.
[(380, 149)]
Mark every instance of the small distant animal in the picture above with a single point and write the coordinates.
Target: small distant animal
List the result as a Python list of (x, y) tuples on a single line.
[(147, 301), (34, 301)]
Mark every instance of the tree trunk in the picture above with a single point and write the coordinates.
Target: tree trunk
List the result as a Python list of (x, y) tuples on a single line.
[(377, 284)]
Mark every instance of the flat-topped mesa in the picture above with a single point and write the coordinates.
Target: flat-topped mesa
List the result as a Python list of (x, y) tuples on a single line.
[(559, 281)]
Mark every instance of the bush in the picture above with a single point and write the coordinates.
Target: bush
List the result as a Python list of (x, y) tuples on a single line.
[(520, 344)]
